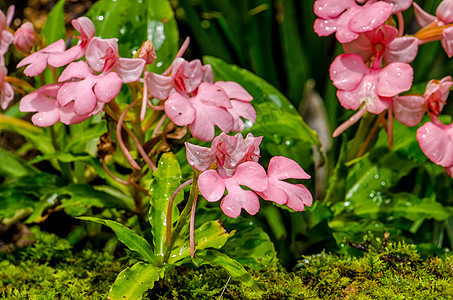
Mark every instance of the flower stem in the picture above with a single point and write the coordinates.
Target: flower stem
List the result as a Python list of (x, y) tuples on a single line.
[(184, 217), (170, 207)]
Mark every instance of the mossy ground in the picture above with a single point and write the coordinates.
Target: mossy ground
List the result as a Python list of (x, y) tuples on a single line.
[(51, 269)]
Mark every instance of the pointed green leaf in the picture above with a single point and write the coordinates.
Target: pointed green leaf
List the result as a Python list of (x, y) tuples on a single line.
[(84, 196), (167, 178), (13, 166), (234, 268), (209, 235), (35, 135), (54, 29), (132, 282), (256, 250), (132, 240)]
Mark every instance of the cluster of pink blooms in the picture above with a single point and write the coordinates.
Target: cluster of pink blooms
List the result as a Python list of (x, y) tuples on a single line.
[(236, 165), (375, 68), (186, 91), (23, 39)]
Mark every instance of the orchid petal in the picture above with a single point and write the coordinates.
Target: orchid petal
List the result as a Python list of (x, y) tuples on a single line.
[(395, 78), (211, 185), (437, 143), (409, 109), (78, 70), (234, 90), (347, 71), (129, 69), (281, 167), (371, 17), (159, 86), (179, 109), (107, 87), (422, 17), (403, 49), (199, 158)]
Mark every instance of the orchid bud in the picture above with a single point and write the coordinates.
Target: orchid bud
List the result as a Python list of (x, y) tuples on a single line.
[(24, 38), (147, 52)]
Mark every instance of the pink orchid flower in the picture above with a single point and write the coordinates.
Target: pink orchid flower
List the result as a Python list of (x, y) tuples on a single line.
[(147, 52), (444, 14), (236, 161), (6, 90), (359, 84), (436, 141), (86, 89), (24, 37), (6, 37), (102, 55), (228, 152), (348, 19), (201, 112), (185, 78), (409, 109), (437, 23), (250, 174), (87, 30), (295, 196), (240, 102), (383, 43), (38, 61), (49, 111)]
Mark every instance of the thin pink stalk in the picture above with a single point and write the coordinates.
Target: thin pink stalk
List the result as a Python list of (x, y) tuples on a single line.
[(170, 208), (141, 150), (390, 128), (340, 129), (155, 107), (192, 228), (400, 24), (144, 101), (159, 125), (106, 168), (179, 54), (120, 138)]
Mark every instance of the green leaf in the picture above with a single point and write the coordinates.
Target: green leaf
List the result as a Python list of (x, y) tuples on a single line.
[(24, 193), (132, 240), (383, 168), (84, 196), (209, 235), (405, 205), (134, 22), (167, 178), (13, 166), (284, 131), (54, 29), (35, 135), (132, 282), (233, 267), (251, 246)]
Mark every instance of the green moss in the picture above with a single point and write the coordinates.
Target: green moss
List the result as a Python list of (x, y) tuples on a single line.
[(50, 269)]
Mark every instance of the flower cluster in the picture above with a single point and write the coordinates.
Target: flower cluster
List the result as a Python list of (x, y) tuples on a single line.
[(375, 69), (83, 88), (235, 162), (192, 98)]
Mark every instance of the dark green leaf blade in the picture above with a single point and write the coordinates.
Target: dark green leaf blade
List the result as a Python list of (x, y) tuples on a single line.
[(132, 282), (167, 178), (132, 240)]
